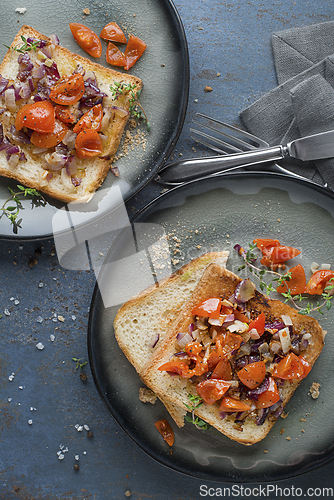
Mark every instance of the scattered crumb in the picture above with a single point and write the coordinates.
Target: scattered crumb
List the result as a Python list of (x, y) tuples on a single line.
[(282, 430), (147, 396), (284, 415), (265, 451), (302, 420), (207, 88), (288, 438), (315, 390), (127, 493), (20, 10), (86, 11)]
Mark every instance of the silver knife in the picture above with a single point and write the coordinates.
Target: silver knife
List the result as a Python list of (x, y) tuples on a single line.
[(312, 147)]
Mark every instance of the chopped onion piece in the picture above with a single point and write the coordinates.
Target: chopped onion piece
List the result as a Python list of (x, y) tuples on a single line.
[(285, 339), (10, 99), (238, 326), (183, 339), (286, 320), (244, 291)]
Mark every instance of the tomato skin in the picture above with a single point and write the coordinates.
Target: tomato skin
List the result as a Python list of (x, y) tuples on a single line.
[(178, 367), (258, 324), (166, 431), (49, 139), (133, 51), (227, 342), (64, 114), (114, 56), (278, 254), (262, 243), (212, 390), (318, 282), (268, 397), (230, 404), (39, 116), (68, 90), (208, 308), (90, 120), (87, 39), (113, 33), (88, 144), (296, 284), (307, 367), (253, 374), (223, 370), (290, 367)]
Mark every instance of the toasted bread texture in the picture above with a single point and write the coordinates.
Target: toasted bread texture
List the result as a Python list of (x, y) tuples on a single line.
[(219, 282), (142, 323), (34, 171)]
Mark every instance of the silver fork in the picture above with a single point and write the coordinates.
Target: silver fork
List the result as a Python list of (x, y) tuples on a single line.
[(241, 148)]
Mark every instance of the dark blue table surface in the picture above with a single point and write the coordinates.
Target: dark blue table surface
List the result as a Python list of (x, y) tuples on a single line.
[(45, 407)]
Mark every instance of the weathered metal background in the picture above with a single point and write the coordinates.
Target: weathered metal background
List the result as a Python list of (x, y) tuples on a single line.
[(44, 404)]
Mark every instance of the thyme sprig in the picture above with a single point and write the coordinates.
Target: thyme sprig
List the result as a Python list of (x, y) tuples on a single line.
[(196, 402), (12, 206), (250, 258), (136, 109), (79, 364), (26, 47)]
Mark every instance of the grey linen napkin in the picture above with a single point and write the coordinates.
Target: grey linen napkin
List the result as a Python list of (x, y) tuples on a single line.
[(303, 102)]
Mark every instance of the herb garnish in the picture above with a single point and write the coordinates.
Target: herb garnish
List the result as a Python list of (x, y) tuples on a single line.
[(12, 211), (136, 109), (26, 47), (196, 401), (79, 364), (250, 257)]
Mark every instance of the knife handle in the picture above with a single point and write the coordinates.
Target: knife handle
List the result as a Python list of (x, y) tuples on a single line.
[(180, 171)]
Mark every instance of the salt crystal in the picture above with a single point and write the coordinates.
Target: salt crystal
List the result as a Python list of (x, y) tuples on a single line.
[(30, 422), (40, 285), (9, 399), (61, 456), (40, 346), (11, 299), (11, 377), (20, 387), (76, 457), (52, 337), (7, 313), (39, 319), (61, 318), (16, 302), (86, 427), (74, 317), (21, 10)]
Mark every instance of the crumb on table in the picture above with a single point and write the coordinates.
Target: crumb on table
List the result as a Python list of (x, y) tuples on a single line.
[(146, 395), (315, 390)]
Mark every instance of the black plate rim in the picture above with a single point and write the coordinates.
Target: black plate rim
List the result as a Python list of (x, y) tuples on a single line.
[(181, 469), (174, 137)]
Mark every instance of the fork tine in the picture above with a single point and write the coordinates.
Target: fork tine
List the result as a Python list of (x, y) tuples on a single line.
[(239, 141)]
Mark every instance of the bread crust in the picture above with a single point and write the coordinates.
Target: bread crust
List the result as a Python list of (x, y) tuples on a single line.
[(96, 169), (219, 282), (152, 312)]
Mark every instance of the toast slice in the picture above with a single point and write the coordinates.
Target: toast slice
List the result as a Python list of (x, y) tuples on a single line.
[(246, 427), (64, 176), (142, 323)]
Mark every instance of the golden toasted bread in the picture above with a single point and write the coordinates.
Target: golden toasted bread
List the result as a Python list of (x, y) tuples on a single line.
[(244, 427)]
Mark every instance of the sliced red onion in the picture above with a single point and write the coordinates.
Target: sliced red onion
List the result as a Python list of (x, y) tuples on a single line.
[(183, 339), (79, 70), (254, 393), (19, 136), (25, 91), (10, 101), (3, 84), (52, 74), (54, 40), (13, 150), (71, 165), (263, 413), (115, 171), (155, 340), (38, 72), (244, 291), (230, 318), (76, 181), (120, 112), (222, 414)]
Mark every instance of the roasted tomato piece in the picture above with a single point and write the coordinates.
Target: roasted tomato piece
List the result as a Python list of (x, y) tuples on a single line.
[(133, 51), (113, 33), (87, 39), (212, 390), (193, 349), (258, 324), (223, 370), (49, 139), (296, 284), (38, 116), (200, 368), (178, 367), (230, 404), (306, 365), (318, 282), (268, 397), (64, 114), (92, 119), (208, 308), (88, 144), (68, 90), (227, 342), (166, 431), (114, 56), (253, 374), (262, 243), (290, 367), (278, 254)]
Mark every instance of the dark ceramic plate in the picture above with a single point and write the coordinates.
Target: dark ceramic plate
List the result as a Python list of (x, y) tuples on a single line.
[(164, 69), (215, 214)]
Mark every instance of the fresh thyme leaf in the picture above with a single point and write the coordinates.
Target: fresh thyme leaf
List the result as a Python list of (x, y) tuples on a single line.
[(26, 47), (12, 211), (135, 108)]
